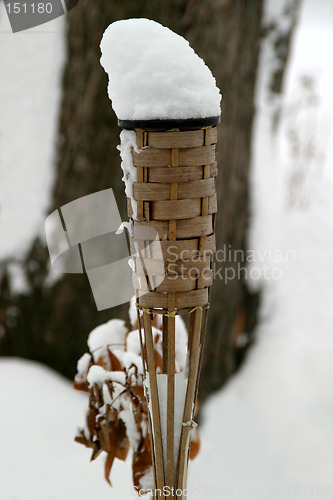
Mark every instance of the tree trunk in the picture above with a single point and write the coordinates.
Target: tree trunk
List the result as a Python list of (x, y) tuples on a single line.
[(51, 324), (230, 47)]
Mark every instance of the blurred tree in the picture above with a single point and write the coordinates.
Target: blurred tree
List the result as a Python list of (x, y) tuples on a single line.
[(51, 323)]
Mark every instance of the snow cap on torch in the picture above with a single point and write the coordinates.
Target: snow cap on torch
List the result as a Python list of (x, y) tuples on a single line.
[(154, 74)]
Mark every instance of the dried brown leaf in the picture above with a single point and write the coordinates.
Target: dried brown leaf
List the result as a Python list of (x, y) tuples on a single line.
[(80, 385), (122, 451), (195, 444), (91, 421), (96, 450), (140, 465), (108, 466)]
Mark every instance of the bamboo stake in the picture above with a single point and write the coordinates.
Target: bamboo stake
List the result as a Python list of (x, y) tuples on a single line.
[(154, 405), (189, 401), (170, 465), (165, 343), (202, 343), (144, 363), (170, 468)]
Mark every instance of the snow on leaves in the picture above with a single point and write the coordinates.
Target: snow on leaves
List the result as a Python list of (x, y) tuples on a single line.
[(117, 418)]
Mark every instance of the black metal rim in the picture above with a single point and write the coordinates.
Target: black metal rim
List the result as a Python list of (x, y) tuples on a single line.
[(168, 124)]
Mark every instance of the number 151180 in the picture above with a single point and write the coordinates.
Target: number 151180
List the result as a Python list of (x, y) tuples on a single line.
[(29, 8)]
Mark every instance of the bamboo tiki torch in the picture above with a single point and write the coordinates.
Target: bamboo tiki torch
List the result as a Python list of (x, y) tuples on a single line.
[(169, 171)]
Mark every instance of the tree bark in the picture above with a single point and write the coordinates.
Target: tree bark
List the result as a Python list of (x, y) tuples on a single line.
[(52, 322)]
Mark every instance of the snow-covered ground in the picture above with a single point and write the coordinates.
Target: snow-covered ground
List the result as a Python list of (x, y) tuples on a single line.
[(39, 460), (268, 434), (31, 64)]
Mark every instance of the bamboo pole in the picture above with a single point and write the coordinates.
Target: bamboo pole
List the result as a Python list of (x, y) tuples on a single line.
[(170, 470), (156, 421), (189, 402)]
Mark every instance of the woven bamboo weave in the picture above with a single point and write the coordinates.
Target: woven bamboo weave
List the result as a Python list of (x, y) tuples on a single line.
[(176, 197)]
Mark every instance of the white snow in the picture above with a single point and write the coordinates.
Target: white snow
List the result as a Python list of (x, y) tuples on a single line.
[(112, 333), (130, 358), (117, 396), (31, 65), (162, 391), (83, 364), (125, 225), (126, 415), (147, 480), (132, 311), (155, 74), (127, 142), (133, 342), (181, 339), (97, 375), (39, 459), (131, 263), (180, 395)]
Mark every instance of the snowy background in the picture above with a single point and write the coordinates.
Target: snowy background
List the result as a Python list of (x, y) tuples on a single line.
[(269, 433)]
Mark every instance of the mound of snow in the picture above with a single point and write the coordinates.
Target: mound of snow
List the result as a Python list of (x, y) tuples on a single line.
[(155, 74), (112, 334), (39, 459)]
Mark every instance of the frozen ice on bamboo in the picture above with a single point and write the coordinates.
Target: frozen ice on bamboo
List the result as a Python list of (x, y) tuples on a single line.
[(155, 74)]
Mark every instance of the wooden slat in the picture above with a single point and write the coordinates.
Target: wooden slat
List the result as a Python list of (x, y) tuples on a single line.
[(170, 468), (169, 284), (176, 139), (204, 187), (202, 345), (180, 209), (176, 250), (190, 267), (183, 299), (145, 369), (189, 401), (163, 191), (156, 421), (151, 191), (144, 230), (182, 174), (146, 210), (165, 343), (180, 139), (197, 156), (197, 226), (180, 267), (213, 135), (152, 158), (151, 267), (172, 229), (173, 193), (170, 271)]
